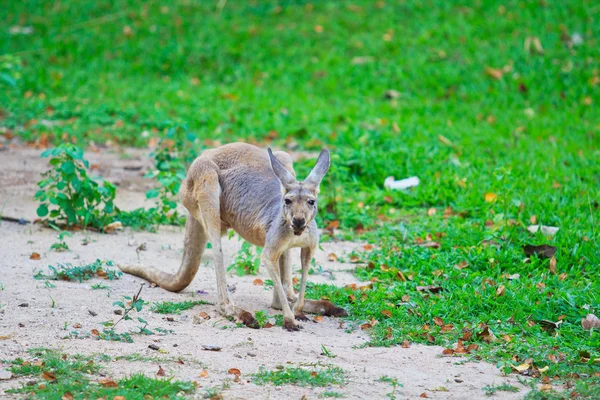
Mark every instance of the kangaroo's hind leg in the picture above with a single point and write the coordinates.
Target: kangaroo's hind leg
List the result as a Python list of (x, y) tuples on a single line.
[(202, 199)]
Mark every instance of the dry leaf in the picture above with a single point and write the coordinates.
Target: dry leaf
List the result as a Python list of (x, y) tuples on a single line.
[(204, 374), (234, 371), (590, 322), (487, 335), (258, 282), (161, 371), (119, 398), (461, 265), (368, 247), (424, 395), (447, 352), (405, 344), (552, 265), (500, 291), (494, 73), (431, 211), (318, 318), (333, 225), (107, 382), (67, 396), (490, 197), (113, 227), (49, 376), (387, 313), (95, 332), (332, 257), (34, 256), (430, 288), (438, 321)]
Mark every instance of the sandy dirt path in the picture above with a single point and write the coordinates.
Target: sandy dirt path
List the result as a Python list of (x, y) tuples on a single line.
[(419, 368)]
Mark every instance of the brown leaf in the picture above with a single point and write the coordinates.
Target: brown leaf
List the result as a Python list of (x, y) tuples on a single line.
[(490, 197), (366, 326), (472, 347), (387, 313), (95, 332), (431, 211), (258, 282), (430, 288), (500, 291), (447, 352), (552, 265), (234, 371), (438, 321), (461, 265), (467, 334), (494, 73), (119, 398), (405, 344), (368, 247), (161, 371), (542, 251), (590, 321), (429, 244), (107, 382), (49, 376), (34, 256), (424, 395), (447, 327), (333, 225), (77, 326), (318, 318), (67, 396), (332, 257), (487, 335)]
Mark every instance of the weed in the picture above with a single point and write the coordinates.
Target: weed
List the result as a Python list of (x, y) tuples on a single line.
[(326, 352), (69, 196), (262, 318), (312, 376), (491, 390), (331, 395), (68, 272), (52, 302), (61, 245), (128, 305), (247, 260), (100, 286), (394, 383), (57, 375), (170, 307)]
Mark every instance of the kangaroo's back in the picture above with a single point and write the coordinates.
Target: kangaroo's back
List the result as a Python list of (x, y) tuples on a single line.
[(250, 191)]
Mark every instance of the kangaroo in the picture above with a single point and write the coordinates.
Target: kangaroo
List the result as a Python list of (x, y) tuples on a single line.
[(241, 187)]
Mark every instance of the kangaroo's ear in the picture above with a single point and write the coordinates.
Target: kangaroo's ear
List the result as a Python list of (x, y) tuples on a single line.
[(320, 169), (284, 176)]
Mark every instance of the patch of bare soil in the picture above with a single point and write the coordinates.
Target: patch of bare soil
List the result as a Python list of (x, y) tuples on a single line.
[(42, 322)]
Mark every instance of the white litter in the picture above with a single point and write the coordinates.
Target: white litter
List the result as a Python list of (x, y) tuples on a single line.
[(546, 230), (391, 183)]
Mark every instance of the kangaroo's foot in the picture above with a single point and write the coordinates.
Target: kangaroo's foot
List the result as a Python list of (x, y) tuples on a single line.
[(323, 307), (291, 325), (229, 310), (300, 316)]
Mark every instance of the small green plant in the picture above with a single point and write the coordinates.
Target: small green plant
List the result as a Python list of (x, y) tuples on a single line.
[(52, 302), (307, 375), (68, 272), (100, 286), (10, 70), (326, 352), (247, 260), (68, 196), (331, 395), (128, 305), (262, 318), (394, 383), (491, 390), (61, 245), (170, 307), (57, 375)]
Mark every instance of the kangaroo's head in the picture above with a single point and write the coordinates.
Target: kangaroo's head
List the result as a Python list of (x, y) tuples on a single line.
[(299, 200)]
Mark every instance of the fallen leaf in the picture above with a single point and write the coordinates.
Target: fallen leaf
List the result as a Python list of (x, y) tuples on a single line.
[(461, 265), (490, 197), (67, 396), (95, 332), (405, 344), (448, 352), (440, 389), (332, 257), (487, 335), (113, 227), (424, 395), (119, 398), (590, 322), (546, 387), (49, 376), (234, 371), (438, 321), (107, 382), (542, 251), (34, 256), (366, 326), (431, 211), (318, 318), (204, 374), (333, 225), (161, 371), (258, 282), (387, 313), (552, 265), (494, 73), (430, 288), (77, 326), (500, 291), (429, 244), (368, 247), (522, 367)]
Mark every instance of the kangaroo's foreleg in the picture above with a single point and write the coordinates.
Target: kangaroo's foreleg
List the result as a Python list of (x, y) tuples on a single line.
[(306, 255), (193, 247), (270, 260), (285, 271)]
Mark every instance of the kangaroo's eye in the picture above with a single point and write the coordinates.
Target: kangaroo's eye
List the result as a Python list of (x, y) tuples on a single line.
[(288, 201), (311, 202)]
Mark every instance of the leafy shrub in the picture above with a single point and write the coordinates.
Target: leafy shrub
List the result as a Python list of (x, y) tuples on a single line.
[(69, 196), (68, 272), (247, 261)]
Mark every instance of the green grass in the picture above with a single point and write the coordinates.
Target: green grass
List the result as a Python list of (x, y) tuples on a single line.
[(80, 273), (505, 387), (55, 375), (171, 307), (312, 376), (303, 76)]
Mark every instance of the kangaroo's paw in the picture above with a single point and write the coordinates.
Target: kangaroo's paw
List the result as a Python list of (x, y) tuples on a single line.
[(291, 325), (324, 307), (247, 319), (301, 317)]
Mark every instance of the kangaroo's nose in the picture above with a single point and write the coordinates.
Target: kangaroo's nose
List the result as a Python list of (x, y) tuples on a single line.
[(298, 222)]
